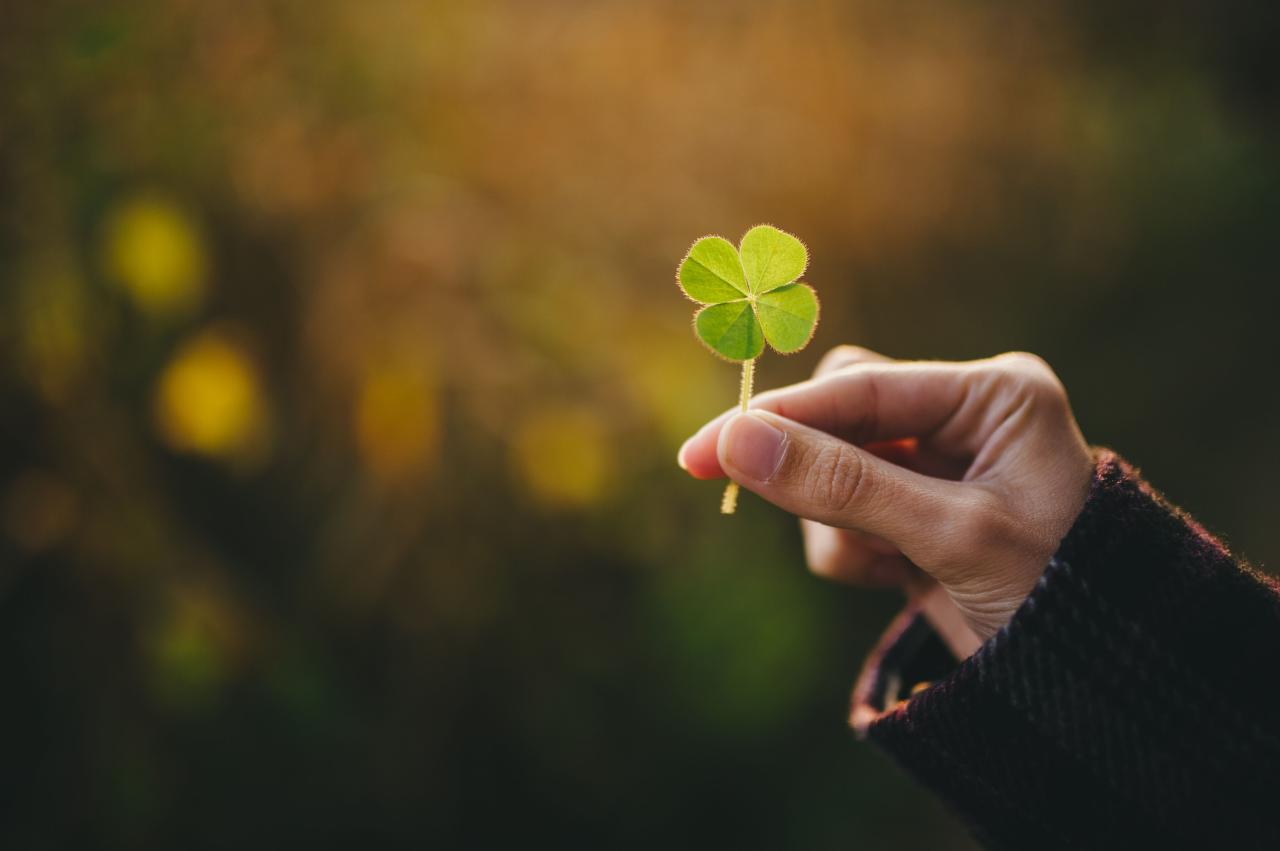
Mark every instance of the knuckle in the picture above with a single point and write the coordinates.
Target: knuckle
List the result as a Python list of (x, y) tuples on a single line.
[(835, 478), (1026, 360), (839, 356), (1031, 375)]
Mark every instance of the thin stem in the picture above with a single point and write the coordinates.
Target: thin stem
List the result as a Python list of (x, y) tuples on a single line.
[(729, 502), (748, 378)]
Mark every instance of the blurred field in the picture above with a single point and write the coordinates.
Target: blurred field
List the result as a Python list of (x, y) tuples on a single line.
[(342, 370)]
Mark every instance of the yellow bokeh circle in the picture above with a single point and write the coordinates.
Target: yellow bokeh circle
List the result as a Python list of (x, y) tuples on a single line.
[(209, 399)]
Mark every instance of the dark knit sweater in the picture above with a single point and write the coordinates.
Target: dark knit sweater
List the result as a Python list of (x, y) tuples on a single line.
[(1132, 702)]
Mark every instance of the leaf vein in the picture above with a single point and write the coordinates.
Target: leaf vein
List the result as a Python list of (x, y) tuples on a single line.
[(695, 261)]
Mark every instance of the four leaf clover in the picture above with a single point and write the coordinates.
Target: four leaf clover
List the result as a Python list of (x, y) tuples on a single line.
[(751, 293)]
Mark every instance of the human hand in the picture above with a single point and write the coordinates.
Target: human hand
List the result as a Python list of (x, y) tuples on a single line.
[(971, 472)]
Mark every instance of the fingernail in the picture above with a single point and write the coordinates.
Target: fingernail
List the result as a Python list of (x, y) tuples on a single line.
[(753, 446), (680, 458)]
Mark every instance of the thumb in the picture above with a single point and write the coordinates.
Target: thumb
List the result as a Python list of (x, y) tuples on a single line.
[(814, 475)]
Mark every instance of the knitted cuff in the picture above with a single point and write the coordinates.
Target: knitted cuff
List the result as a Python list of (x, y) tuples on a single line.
[(1141, 666)]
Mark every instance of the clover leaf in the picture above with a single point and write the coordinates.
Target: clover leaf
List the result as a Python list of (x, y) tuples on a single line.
[(751, 293), (751, 296)]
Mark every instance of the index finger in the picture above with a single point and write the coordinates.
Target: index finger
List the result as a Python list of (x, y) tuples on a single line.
[(861, 403)]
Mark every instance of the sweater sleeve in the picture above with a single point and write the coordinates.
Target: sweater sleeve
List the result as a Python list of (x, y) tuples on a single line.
[(1133, 701)]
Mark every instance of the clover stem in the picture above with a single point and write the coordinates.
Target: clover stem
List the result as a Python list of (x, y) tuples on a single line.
[(729, 502)]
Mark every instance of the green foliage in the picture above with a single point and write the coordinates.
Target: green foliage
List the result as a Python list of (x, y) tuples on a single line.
[(751, 294)]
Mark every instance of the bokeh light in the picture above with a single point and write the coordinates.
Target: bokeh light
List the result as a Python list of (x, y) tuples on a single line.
[(153, 249), (397, 417), (209, 399), (564, 456)]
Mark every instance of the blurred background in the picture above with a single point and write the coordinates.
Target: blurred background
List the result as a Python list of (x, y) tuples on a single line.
[(342, 370)]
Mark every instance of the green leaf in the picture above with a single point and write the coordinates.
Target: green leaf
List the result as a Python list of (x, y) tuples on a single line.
[(730, 330), (788, 316), (772, 258), (712, 272)]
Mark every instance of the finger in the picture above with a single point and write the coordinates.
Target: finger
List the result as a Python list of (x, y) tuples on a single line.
[(920, 456), (861, 403), (822, 478), (845, 555), (835, 359), (842, 356)]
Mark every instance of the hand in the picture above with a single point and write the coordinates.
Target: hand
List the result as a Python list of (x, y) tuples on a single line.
[(971, 472)]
